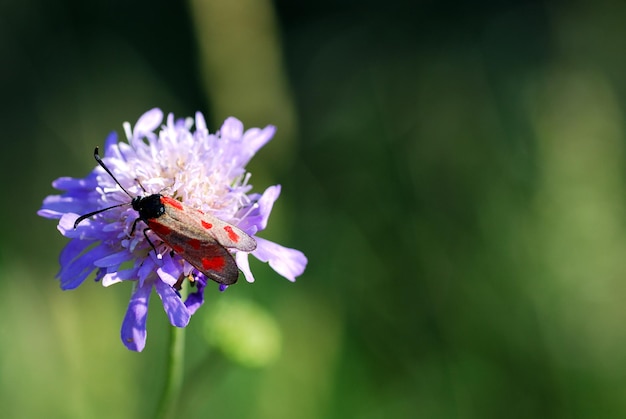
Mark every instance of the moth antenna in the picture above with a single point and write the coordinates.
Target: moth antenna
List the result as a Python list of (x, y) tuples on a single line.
[(101, 163), (141, 186), (91, 214)]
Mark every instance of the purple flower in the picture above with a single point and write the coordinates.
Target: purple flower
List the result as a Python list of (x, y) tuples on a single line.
[(203, 171)]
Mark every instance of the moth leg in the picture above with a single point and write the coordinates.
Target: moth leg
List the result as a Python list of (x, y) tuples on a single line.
[(145, 234), (179, 284), (132, 230)]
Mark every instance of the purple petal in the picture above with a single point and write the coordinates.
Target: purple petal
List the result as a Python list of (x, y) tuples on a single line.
[(114, 259), (88, 229), (170, 271), (66, 225), (244, 148), (258, 217), (173, 305), (254, 139), (266, 203), (78, 198), (46, 213), (232, 129), (244, 265), (56, 206), (114, 277), (72, 250), (146, 269), (66, 183), (110, 146), (73, 273), (288, 262), (134, 326), (195, 300), (201, 123), (147, 123)]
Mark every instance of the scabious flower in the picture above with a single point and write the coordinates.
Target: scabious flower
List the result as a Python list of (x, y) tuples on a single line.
[(203, 171)]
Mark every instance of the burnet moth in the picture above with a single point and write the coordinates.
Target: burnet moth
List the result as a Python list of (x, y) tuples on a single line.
[(201, 239)]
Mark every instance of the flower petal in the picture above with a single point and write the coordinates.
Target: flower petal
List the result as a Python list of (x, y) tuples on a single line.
[(72, 250), (66, 225), (256, 220), (288, 262), (73, 273), (232, 129), (244, 265), (173, 305), (195, 299), (114, 259), (134, 325), (80, 197), (66, 183), (110, 146), (201, 124), (146, 270), (147, 123), (169, 272), (113, 276), (254, 139), (266, 203)]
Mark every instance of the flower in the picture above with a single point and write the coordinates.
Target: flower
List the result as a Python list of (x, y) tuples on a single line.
[(201, 170)]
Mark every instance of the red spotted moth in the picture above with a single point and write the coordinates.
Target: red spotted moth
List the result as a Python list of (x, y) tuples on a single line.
[(201, 239)]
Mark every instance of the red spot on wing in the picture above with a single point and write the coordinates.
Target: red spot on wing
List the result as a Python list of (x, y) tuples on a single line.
[(166, 200), (178, 248), (231, 234), (160, 229), (195, 243), (215, 263), (206, 225)]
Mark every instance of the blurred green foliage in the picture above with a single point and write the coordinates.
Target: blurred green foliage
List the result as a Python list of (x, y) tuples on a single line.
[(454, 172)]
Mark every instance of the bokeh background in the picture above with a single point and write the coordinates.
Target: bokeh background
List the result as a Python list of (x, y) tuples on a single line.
[(455, 172)]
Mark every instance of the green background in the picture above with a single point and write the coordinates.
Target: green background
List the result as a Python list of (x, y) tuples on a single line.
[(454, 171)]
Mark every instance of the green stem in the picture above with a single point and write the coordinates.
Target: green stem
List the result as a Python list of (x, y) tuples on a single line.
[(175, 370)]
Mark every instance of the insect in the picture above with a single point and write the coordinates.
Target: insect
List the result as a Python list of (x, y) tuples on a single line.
[(199, 238)]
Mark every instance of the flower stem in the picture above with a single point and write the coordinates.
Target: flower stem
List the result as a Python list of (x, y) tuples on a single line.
[(175, 370)]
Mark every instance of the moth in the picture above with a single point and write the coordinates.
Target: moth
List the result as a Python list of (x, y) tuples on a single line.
[(201, 239)]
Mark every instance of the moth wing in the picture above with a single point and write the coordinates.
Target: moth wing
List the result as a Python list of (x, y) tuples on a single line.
[(227, 234), (206, 254), (214, 261), (199, 225)]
